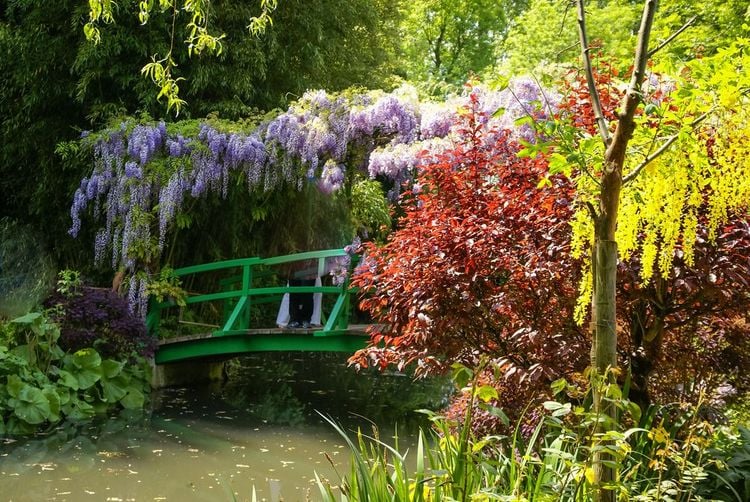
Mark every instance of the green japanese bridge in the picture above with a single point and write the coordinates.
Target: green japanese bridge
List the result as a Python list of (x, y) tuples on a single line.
[(230, 313)]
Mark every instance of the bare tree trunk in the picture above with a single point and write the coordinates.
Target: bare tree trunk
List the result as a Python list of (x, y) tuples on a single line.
[(604, 256)]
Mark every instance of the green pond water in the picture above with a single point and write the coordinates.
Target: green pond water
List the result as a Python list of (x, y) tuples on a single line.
[(261, 430)]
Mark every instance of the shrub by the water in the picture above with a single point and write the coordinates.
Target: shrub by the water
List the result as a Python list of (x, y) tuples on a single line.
[(99, 318), (42, 384)]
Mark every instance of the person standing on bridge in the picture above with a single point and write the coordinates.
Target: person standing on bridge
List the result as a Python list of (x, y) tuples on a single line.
[(301, 304)]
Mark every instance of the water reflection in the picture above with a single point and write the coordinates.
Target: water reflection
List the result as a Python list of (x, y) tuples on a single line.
[(260, 429), (290, 388)]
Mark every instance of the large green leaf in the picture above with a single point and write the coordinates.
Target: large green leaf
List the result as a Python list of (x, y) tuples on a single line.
[(86, 366), (25, 352), (64, 394), (111, 368), (133, 400), (66, 379), (88, 377), (114, 388), (87, 359), (15, 385), (53, 398), (27, 319), (77, 409), (32, 406)]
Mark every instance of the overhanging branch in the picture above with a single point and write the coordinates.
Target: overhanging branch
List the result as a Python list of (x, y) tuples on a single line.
[(585, 54), (672, 37), (663, 148)]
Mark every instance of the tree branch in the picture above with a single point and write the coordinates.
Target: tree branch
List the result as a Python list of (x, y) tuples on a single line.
[(635, 172), (592, 211), (632, 97), (595, 101), (672, 37)]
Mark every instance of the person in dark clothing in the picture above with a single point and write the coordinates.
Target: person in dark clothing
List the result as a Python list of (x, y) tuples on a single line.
[(300, 305)]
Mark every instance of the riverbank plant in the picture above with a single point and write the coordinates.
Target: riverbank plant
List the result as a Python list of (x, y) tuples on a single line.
[(81, 357), (665, 453)]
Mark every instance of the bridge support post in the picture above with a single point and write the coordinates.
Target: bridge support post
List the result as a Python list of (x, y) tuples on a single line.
[(186, 373)]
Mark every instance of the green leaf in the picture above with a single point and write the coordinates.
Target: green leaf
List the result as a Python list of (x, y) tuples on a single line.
[(496, 412), (552, 405), (79, 410), (613, 391), (32, 406), (15, 385), (114, 389), (88, 377), (461, 375), (26, 353), (559, 385), (111, 368), (53, 398), (87, 359), (557, 163), (133, 400), (29, 318), (65, 378), (487, 393)]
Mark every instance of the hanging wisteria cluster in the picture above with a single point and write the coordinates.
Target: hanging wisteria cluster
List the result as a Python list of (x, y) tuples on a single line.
[(143, 173)]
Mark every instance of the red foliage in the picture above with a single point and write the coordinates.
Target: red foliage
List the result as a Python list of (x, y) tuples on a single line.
[(576, 104), (480, 265), (576, 108)]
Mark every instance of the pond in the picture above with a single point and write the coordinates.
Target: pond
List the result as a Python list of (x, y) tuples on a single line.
[(262, 430)]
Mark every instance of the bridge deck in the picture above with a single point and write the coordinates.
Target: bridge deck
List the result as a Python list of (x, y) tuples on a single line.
[(353, 329), (232, 343)]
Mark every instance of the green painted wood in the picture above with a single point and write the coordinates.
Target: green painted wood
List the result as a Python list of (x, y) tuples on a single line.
[(238, 309), (247, 283), (276, 290), (326, 253), (272, 342), (331, 332), (234, 337), (217, 265), (333, 318)]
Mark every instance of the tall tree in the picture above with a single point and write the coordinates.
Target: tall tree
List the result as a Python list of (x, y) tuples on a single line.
[(542, 41), (445, 41), (662, 192)]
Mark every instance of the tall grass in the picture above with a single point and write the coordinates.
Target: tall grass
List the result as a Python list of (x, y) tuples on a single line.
[(659, 455)]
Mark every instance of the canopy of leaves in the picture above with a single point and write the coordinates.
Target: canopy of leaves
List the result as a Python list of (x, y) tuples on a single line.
[(543, 39), (445, 41), (322, 44)]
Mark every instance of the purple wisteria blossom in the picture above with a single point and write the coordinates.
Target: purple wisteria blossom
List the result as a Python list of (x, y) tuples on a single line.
[(332, 177), (143, 174)]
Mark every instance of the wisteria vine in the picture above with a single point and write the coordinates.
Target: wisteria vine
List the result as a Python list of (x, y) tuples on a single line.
[(144, 173)]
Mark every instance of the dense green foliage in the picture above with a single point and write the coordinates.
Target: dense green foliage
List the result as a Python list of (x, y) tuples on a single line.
[(543, 39), (445, 41), (331, 44), (42, 384)]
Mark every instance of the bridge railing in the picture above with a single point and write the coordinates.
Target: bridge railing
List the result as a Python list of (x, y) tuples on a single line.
[(238, 294)]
